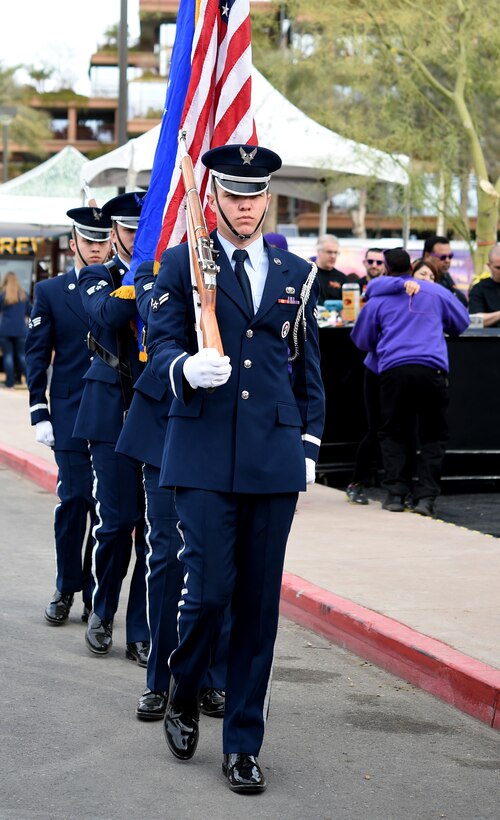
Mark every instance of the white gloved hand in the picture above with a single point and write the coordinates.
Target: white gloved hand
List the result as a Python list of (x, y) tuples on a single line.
[(207, 368), (310, 471), (44, 433)]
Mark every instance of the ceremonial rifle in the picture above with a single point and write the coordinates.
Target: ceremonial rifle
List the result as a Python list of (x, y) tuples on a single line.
[(202, 255)]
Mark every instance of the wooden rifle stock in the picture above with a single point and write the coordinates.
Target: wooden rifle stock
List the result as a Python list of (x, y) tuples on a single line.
[(202, 254)]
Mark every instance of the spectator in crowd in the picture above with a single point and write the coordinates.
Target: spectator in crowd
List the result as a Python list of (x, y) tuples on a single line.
[(405, 337), (437, 249), (368, 449), (484, 297), (330, 279), (426, 270), (374, 266), (14, 310)]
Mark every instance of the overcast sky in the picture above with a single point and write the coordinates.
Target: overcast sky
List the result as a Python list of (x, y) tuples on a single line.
[(60, 33)]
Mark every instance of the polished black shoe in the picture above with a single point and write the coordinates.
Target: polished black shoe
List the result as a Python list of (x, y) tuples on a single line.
[(355, 494), (99, 635), (87, 609), (393, 503), (138, 651), (152, 705), (243, 773), (425, 506), (181, 729), (212, 702), (57, 611)]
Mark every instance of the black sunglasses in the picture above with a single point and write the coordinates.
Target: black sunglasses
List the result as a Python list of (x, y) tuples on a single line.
[(443, 256), (374, 261)]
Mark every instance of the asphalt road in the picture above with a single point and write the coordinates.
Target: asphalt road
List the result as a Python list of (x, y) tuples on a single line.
[(345, 740)]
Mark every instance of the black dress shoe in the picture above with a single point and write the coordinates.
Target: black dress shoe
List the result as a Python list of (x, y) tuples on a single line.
[(212, 702), (57, 611), (99, 635), (243, 773), (425, 506), (152, 705), (181, 729), (394, 503), (138, 651), (87, 609)]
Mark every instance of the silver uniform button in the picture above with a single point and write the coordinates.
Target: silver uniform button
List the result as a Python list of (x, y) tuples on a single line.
[(249, 334), (247, 363), (245, 394)]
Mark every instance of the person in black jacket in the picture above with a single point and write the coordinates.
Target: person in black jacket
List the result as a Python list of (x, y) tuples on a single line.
[(484, 297), (437, 249)]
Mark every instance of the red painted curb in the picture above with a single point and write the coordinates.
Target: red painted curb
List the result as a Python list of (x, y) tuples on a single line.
[(462, 681), (36, 469)]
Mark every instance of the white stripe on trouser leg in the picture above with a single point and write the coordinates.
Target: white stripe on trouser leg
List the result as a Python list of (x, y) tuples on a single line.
[(185, 587), (55, 520), (150, 549), (267, 699), (95, 528)]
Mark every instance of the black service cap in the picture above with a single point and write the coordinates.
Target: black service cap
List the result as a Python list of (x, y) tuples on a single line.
[(242, 169)]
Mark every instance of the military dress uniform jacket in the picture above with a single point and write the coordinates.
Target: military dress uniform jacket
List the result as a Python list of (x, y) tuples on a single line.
[(102, 407), (144, 429), (58, 323), (252, 434)]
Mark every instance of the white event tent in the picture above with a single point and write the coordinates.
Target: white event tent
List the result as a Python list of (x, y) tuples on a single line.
[(317, 162), (37, 201)]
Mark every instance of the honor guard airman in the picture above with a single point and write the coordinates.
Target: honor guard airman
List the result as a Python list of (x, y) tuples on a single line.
[(142, 438), (242, 439), (57, 334), (107, 394)]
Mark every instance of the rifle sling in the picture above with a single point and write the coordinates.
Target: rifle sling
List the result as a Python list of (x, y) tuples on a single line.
[(122, 346)]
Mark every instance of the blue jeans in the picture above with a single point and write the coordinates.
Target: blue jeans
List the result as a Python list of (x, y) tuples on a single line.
[(13, 353)]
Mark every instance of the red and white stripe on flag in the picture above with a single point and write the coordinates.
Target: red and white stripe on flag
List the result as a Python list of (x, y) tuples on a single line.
[(218, 109)]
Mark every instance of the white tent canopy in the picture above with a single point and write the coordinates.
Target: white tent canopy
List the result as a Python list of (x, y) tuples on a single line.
[(313, 156), (42, 196)]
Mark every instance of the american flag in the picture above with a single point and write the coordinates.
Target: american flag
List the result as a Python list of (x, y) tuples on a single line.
[(217, 108)]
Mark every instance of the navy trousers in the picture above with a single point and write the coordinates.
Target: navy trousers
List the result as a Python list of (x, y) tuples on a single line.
[(73, 515), (233, 553), (164, 578), (119, 497)]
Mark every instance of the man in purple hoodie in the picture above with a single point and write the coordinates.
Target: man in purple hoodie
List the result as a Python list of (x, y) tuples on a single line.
[(405, 338)]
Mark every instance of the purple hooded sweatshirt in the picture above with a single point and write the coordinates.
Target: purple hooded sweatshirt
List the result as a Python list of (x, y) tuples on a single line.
[(400, 329)]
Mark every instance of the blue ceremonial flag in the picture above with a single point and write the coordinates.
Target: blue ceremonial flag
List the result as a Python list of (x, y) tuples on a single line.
[(150, 223)]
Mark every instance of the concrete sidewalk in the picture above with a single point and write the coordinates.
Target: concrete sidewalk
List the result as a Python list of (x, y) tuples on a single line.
[(417, 596)]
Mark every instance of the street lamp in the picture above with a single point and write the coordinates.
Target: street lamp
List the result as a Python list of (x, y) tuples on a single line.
[(7, 114)]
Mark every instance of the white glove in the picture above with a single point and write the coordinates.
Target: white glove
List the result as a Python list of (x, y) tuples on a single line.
[(44, 433), (207, 368), (310, 471)]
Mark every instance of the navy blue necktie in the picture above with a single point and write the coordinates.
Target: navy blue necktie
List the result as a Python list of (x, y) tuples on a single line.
[(239, 257)]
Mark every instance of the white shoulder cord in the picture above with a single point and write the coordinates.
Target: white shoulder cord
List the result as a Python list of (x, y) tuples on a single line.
[(300, 318)]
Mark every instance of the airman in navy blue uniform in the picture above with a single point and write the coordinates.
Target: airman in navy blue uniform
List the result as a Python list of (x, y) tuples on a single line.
[(142, 438), (118, 490), (57, 335), (238, 454)]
